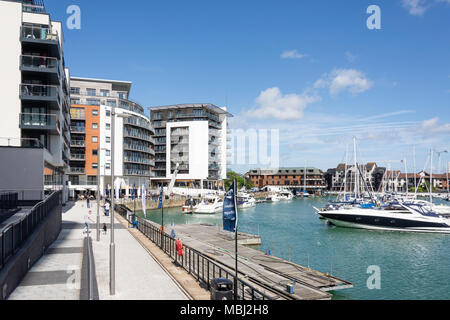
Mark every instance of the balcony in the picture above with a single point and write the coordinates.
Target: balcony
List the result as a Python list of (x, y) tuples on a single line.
[(37, 34), (37, 92), (77, 157), (39, 121), (77, 144), (78, 130), (40, 64), (75, 170)]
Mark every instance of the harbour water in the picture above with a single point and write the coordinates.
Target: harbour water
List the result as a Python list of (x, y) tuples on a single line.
[(412, 265)]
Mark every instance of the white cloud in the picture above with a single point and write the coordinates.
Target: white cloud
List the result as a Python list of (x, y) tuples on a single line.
[(273, 104), (340, 80), (415, 7), (432, 126), (293, 54)]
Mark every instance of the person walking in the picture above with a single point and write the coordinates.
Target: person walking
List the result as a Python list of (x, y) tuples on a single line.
[(107, 208), (87, 221)]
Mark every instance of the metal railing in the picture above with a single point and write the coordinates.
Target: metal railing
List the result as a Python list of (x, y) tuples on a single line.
[(36, 32), (40, 62), (8, 201), (14, 235), (77, 170), (40, 120), (38, 90), (197, 264), (77, 143)]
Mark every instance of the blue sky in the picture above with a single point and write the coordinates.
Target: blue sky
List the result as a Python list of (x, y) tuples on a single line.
[(310, 69)]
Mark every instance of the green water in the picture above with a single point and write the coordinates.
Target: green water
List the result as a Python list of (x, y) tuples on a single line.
[(413, 266)]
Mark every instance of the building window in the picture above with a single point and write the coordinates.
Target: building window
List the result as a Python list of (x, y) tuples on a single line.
[(108, 113), (108, 139), (75, 101), (91, 92), (111, 103), (93, 102), (104, 93), (95, 153), (94, 165), (75, 90), (95, 126), (95, 113), (108, 126), (108, 153), (95, 139), (108, 166)]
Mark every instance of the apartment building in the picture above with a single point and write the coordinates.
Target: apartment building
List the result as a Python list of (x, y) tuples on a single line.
[(372, 176), (35, 86), (92, 105), (194, 137), (312, 179)]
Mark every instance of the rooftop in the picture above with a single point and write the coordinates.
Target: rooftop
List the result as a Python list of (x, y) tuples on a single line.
[(118, 85), (209, 106)]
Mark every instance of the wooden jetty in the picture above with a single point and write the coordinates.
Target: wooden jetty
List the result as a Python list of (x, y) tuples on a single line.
[(267, 273)]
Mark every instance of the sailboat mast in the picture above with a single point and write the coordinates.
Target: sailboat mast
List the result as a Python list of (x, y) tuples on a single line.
[(431, 175), (356, 169), (415, 173), (345, 172)]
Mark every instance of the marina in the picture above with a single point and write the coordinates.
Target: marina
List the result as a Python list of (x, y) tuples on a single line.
[(411, 264)]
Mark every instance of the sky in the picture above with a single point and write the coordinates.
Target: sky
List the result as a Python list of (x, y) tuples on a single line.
[(312, 70)]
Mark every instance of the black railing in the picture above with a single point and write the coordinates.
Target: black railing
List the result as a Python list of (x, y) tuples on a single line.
[(14, 235), (197, 264), (9, 201)]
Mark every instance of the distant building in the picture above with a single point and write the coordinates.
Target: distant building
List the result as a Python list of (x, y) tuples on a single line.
[(291, 178), (371, 173), (194, 136), (92, 101)]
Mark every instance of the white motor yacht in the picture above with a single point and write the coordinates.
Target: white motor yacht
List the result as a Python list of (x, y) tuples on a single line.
[(209, 205), (245, 200)]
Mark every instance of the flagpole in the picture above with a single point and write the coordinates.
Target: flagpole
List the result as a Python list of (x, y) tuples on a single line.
[(236, 243)]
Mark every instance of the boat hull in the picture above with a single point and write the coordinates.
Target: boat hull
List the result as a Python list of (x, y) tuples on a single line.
[(387, 223)]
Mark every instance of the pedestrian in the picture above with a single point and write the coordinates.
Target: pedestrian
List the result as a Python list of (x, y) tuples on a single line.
[(88, 201), (105, 229), (87, 221), (107, 209)]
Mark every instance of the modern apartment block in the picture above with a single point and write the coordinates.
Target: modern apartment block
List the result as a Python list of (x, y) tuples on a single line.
[(92, 102), (194, 136), (34, 84), (290, 178)]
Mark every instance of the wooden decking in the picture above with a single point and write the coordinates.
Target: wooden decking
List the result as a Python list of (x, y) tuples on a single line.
[(269, 273)]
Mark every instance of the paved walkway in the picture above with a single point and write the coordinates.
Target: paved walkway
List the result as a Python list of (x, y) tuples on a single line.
[(57, 275)]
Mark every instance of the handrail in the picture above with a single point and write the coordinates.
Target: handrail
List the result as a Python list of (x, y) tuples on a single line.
[(16, 233), (191, 259)]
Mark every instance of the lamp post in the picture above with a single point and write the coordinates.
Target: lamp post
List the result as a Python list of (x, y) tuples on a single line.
[(98, 191), (112, 246)]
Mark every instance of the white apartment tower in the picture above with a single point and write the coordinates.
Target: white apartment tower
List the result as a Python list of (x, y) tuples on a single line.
[(34, 86), (194, 136)]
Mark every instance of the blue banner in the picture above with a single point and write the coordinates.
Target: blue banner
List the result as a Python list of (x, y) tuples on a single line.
[(229, 210), (160, 204)]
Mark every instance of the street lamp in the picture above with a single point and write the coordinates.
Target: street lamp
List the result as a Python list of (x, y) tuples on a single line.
[(98, 191), (112, 246)]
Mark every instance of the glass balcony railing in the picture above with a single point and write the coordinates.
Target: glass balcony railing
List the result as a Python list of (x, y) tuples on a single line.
[(75, 170), (77, 144), (77, 157), (39, 63), (39, 121), (40, 92), (78, 129), (36, 32)]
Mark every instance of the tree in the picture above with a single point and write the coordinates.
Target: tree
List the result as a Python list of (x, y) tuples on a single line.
[(231, 175)]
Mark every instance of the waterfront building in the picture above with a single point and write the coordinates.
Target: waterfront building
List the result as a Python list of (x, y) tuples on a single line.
[(92, 101), (194, 136), (290, 178), (371, 173), (35, 86)]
